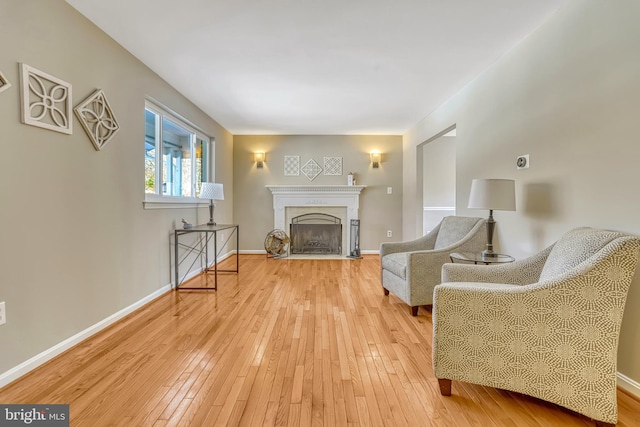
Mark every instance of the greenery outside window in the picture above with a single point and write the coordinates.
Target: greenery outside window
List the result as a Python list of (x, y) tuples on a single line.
[(176, 157)]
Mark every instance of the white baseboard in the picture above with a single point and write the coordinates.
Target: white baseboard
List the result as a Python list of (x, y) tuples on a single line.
[(630, 386), (263, 252), (41, 358)]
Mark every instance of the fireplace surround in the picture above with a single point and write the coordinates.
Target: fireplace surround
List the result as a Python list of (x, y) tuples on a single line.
[(324, 198)]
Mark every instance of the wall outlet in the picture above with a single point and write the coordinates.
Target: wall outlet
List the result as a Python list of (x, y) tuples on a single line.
[(389, 233), (389, 190), (3, 314)]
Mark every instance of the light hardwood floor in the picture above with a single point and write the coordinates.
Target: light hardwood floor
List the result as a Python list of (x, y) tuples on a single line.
[(284, 342)]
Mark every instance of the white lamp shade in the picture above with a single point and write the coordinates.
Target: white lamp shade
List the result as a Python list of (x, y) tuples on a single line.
[(211, 190), (494, 194)]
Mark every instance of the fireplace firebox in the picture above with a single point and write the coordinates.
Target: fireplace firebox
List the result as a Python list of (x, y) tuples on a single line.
[(316, 233)]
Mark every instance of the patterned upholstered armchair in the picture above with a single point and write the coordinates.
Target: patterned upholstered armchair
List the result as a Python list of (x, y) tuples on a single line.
[(546, 326), (411, 269)]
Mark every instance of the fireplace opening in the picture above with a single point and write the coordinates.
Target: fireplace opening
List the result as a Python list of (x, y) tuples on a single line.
[(316, 233)]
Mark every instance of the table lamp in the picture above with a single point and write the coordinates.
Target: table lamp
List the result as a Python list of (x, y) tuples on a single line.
[(492, 194), (212, 191)]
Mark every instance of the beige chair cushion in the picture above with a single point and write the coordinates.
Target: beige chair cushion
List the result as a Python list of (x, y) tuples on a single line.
[(396, 263)]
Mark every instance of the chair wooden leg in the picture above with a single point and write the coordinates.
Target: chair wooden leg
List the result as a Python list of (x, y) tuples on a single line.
[(414, 310), (603, 424), (386, 291), (445, 386)]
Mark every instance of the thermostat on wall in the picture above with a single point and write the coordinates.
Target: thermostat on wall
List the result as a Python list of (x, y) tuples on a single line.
[(522, 162)]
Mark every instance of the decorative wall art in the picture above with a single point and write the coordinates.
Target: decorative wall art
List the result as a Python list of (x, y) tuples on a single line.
[(97, 119), (333, 165), (46, 100), (4, 83), (291, 165), (311, 169)]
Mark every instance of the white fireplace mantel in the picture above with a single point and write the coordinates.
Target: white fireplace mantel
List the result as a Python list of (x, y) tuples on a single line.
[(312, 189), (287, 196)]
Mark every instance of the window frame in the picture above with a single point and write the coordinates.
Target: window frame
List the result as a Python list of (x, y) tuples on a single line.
[(158, 200)]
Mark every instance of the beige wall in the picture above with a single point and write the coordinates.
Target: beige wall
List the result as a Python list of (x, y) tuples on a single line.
[(76, 244), (439, 173), (379, 211), (568, 96)]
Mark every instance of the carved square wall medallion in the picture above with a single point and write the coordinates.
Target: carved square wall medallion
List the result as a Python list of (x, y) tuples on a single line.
[(311, 169), (46, 100), (4, 83), (333, 165), (291, 165), (97, 119)]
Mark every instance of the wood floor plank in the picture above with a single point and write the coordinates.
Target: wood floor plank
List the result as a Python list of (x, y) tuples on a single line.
[(283, 343)]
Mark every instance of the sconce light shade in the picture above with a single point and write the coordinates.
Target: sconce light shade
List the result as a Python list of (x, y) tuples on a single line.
[(259, 158), (375, 160)]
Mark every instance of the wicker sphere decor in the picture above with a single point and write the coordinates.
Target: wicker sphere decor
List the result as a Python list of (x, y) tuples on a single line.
[(276, 243)]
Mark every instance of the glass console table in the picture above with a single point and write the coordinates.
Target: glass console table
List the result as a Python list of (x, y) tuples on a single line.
[(200, 247), (478, 258)]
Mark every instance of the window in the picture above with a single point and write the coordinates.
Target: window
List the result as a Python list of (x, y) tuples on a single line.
[(176, 156)]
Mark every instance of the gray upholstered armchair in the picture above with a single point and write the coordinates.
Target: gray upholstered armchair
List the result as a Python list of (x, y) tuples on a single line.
[(546, 326), (410, 270)]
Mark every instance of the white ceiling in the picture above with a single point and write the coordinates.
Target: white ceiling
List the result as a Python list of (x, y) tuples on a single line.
[(318, 67)]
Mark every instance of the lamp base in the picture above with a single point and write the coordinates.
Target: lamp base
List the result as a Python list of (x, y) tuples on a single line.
[(211, 207), (489, 254)]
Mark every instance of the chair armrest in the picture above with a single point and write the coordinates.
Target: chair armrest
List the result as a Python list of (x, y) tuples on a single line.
[(423, 272), (521, 272), (425, 262), (425, 242)]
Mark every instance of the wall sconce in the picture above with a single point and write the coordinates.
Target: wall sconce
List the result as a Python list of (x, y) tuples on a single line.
[(259, 157), (375, 160)]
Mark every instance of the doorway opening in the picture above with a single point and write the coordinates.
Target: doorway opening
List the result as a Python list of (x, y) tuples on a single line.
[(436, 175)]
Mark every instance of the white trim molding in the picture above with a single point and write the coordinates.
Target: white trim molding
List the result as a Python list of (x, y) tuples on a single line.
[(305, 189), (156, 201), (630, 386)]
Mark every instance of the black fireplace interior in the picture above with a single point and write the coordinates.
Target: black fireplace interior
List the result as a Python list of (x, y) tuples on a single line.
[(316, 233)]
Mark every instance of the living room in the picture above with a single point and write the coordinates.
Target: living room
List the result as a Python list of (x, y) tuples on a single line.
[(88, 251)]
